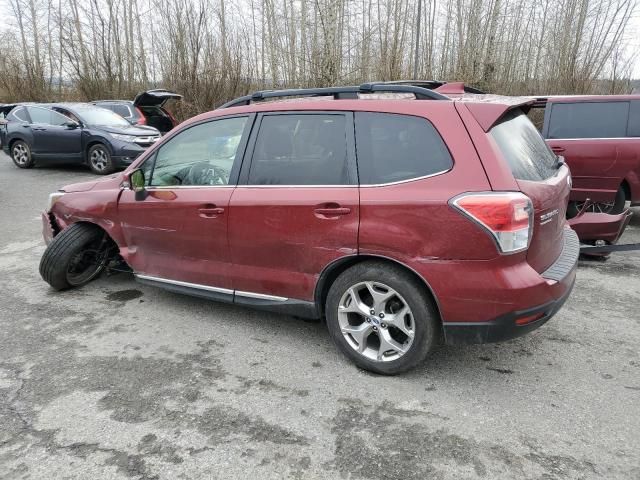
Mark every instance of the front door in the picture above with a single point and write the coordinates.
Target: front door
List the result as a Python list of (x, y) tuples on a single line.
[(177, 230), (296, 208)]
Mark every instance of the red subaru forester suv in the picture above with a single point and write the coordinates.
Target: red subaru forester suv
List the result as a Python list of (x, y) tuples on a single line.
[(402, 221)]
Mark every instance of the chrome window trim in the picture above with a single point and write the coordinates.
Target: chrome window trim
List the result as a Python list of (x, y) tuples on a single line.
[(184, 187), (259, 296), (364, 185), (297, 186), (413, 179), (184, 284)]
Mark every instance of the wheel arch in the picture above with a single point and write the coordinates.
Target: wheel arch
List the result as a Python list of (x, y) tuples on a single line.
[(626, 188), (13, 140), (105, 227), (92, 143), (335, 268)]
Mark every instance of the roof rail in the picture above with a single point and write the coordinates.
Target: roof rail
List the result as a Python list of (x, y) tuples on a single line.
[(351, 92)]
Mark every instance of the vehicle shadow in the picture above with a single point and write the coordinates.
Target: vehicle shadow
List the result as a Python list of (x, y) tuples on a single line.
[(464, 363)]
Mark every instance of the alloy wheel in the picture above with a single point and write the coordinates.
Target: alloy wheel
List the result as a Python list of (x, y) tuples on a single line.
[(376, 321), (20, 154), (99, 159), (86, 264)]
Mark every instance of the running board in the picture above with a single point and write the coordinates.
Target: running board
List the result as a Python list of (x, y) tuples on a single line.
[(272, 303)]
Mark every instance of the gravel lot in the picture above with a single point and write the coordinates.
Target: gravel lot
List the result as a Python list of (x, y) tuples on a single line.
[(120, 381)]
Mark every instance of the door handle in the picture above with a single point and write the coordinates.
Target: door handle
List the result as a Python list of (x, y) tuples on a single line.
[(210, 211), (557, 149), (332, 211)]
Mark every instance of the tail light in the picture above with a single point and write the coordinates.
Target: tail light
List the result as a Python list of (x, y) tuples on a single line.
[(142, 120), (173, 120), (507, 216)]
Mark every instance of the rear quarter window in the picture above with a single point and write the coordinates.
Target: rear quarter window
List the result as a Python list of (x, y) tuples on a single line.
[(588, 120), (393, 148), (18, 114), (523, 148)]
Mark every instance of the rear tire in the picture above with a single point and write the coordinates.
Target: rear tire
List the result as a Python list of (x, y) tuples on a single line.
[(21, 155), (75, 256), (400, 332), (99, 160)]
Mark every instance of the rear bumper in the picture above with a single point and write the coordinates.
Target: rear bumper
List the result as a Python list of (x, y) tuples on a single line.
[(554, 285), (600, 226), (504, 327)]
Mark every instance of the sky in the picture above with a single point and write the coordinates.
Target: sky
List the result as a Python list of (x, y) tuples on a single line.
[(633, 35)]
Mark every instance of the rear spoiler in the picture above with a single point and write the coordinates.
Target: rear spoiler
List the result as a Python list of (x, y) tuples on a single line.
[(489, 109)]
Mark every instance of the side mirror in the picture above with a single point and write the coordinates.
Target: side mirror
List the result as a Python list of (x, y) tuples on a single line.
[(72, 125), (137, 181)]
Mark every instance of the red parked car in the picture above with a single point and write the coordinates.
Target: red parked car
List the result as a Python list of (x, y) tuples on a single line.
[(403, 222), (599, 137)]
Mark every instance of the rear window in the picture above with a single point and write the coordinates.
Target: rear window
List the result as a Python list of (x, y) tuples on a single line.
[(393, 148), (588, 120), (121, 110), (524, 149)]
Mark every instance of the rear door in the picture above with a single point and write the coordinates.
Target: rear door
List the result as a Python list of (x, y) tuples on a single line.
[(177, 231), (542, 178), (296, 208), (51, 135), (589, 136)]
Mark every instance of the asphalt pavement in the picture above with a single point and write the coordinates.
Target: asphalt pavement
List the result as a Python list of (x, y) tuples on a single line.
[(119, 380)]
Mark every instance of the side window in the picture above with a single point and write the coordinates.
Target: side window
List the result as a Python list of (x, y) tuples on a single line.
[(588, 120), (46, 116), (295, 149), (19, 114), (633, 129), (68, 115), (200, 155), (392, 148)]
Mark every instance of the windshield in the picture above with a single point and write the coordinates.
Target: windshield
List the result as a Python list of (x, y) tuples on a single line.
[(101, 116), (524, 149)]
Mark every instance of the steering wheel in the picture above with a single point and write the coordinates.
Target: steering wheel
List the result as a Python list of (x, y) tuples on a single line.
[(204, 173)]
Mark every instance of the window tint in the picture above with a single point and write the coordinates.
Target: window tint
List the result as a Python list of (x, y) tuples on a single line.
[(393, 148), (300, 150), (633, 130), (19, 114), (46, 116), (588, 120), (524, 149), (201, 155)]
